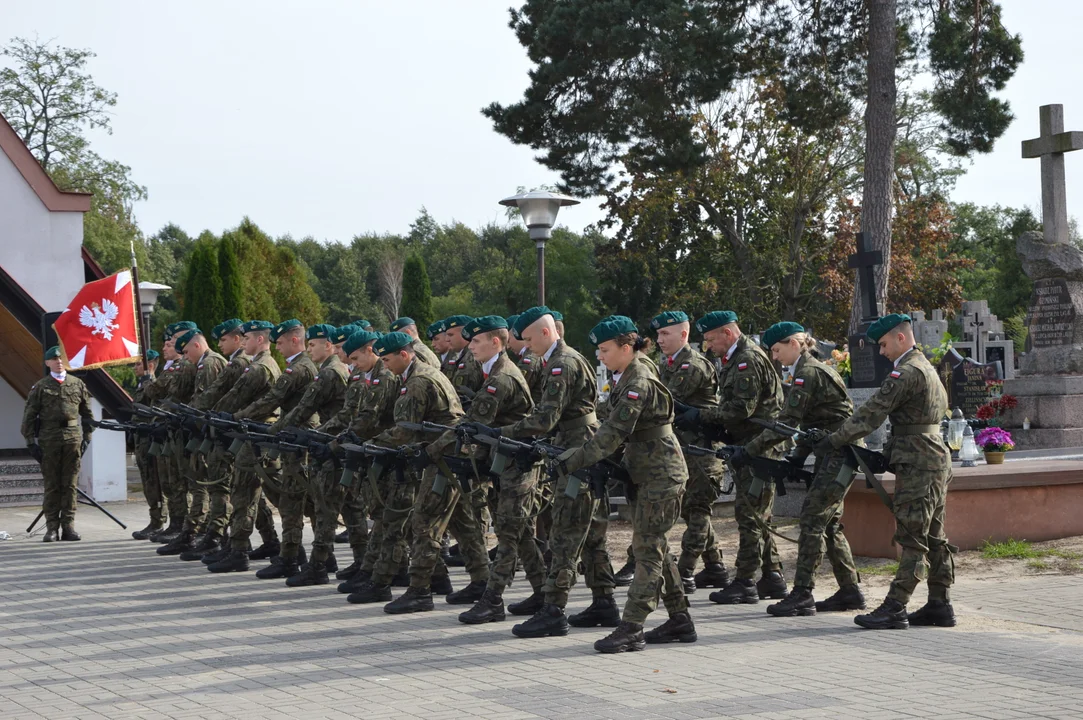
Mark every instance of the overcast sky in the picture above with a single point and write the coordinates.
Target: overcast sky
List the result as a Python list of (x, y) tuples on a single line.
[(331, 119)]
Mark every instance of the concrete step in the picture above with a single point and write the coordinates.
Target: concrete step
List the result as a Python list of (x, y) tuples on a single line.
[(19, 466), (18, 496), (33, 481)]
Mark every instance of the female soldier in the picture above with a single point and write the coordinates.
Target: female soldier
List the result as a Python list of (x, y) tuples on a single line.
[(640, 417)]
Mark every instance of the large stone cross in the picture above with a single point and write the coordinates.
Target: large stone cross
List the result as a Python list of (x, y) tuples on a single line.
[(1050, 147), (865, 261)]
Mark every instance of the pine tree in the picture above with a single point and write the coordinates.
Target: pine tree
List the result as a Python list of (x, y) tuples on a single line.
[(229, 269), (416, 292), (202, 300)]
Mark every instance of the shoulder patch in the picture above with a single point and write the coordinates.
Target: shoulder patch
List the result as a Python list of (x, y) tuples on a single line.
[(402, 390), (742, 366), (527, 361), (247, 369), (633, 395), (199, 366), (462, 365), (289, 370), (376, 381), (490, 389), (799, 381), (685, 366), (557, 371), (896, 374)]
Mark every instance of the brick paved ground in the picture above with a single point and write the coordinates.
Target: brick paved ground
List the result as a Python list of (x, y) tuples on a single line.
[(104, 628)]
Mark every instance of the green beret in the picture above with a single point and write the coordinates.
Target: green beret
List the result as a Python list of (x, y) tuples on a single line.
[(168, 332), (257, 326), (484, 324), (323, 331), (361, 323), (359, 339), (715, 319), (285, 326), (53, 352), (391, 343), (670, 317), (557, 315), (779, 332), (401, 323), (457, 321), (152, 355), (435, 329), (529, 317), (226, 327), (885, 325), (187, 337), (610, 328), (342, 334)]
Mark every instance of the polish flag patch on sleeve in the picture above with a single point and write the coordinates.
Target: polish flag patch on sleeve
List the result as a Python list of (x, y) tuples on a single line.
[(633, 395), (896, 374), (557, 371), (402, 391), (527, 361), (742, 366), (376, 382), (289, 371), (684, 366), (799, 381), (247, 369), (490, 389)]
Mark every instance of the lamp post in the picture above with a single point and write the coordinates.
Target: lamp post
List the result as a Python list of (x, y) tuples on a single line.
[(539, 210), (148, 298)]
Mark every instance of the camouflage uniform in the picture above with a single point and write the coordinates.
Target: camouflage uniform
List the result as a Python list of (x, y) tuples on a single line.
[(817, 398), (148, 466), (579, 525), (750, 387), (467, 378), (425, 354), (691, 379), (197, 467), (257, 383), (914, 400), (640, 417), (57, 415), (220, 462), (425, 395), (176, 383)]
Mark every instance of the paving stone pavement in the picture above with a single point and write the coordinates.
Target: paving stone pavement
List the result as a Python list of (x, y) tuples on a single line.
[(104, 628)]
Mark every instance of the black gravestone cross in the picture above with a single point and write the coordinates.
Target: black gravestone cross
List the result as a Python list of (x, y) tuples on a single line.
[(867, 367), (865, 261)]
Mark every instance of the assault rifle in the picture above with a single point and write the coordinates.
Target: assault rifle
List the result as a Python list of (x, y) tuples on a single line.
[(159, 433), (379, 459), (687, 418), (778, 470), (464, 468)]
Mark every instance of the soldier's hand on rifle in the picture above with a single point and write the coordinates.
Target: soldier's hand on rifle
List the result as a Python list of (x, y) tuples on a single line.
[(688, 420), (83, 444), (739, 457), (320, 452), (417, 457), (474, 428), (823, 447)]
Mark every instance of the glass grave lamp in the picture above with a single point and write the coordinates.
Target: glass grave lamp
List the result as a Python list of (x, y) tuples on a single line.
[(955, 430), (969, 451)]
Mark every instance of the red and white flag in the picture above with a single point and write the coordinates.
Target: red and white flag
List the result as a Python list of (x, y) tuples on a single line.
[(98, 327)]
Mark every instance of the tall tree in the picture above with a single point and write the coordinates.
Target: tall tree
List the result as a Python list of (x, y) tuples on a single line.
[(202, 296), (417, 292), (389, 284), (229, 272)]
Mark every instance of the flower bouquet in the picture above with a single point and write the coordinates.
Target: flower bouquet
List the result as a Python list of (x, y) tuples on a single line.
[(994, 442), (992, 411)]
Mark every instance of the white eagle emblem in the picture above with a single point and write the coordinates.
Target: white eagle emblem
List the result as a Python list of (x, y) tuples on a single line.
[(100, 319)]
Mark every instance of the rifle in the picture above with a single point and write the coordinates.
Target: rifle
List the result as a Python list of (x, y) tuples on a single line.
[(464, 468), (778, 470), (381, 460), (869, 462), (709, 432)]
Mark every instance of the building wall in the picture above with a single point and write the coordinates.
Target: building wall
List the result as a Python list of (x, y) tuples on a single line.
[(40, 249), (11, 417)]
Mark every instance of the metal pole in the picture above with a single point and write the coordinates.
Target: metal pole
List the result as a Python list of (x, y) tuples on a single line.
[(541, 271), (144, 324)]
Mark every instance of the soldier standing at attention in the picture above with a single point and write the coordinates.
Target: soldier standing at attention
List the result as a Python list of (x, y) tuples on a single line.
[(640, 418), (816, 398), (914, 400), (57, 427), (465, 371), (437, 333), (421, 350), (148, 466), (691, 379), (749, 387)]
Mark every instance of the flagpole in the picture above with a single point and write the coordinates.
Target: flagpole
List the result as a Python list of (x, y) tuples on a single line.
[(144, 323)]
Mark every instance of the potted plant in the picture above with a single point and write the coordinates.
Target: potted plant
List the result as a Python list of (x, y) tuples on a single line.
[(994, 442)]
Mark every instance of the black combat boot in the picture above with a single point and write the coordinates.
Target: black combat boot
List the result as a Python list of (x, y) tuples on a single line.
[(935, 613), (848, 597), (220, 554), (891, 615), (211, 543), (313, 573), (468, 595), (602, 612), (771, 586), (412, 601), (266, 551), (52, 534), (184, 541), (354, 584), (737, 592), (628, 637), (687, 581), (798, 602), (530, 605), (625, 574), (152, 528), (343, 537), (68, 533), (441, 585), (331, 562), (548, 621), (489, 608), (349, 571), (679, 628), (172, 531), (713, 575), (369, 592), (236, 561), (279, 568)]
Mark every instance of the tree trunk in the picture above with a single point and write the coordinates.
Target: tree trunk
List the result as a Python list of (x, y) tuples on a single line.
[(876, 206)]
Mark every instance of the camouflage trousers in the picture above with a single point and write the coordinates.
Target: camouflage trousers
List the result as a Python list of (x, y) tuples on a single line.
[(373, 495), (398, 505), (579, 527), (220, 484), (699, 538), (60, 465), (821, 525), (249, 476), (289, 492), (173, 482), (919, 531), (756, 548), (196, 474), (437, 509), (517, 500), (656, 511), (148, 478), (331, 498)]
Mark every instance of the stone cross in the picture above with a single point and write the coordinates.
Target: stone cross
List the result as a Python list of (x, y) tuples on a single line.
[(1050, 147), (865, 260)]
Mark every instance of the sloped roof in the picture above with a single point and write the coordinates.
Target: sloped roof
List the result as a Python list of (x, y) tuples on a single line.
[(55, 199)]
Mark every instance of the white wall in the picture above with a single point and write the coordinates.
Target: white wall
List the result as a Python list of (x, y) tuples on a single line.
[(38, 248), (11, 417), (104, 472)]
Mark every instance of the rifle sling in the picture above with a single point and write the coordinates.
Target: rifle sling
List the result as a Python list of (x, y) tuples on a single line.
[(872, 481)]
